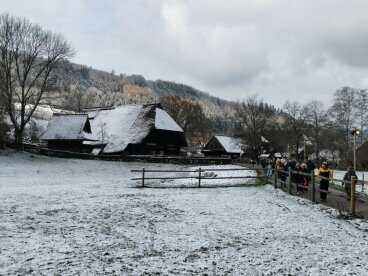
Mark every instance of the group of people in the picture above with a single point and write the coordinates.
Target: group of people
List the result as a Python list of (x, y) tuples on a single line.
[(302, 179)]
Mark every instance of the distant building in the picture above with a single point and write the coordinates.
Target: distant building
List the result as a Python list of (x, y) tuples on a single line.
[(362, 156), (220, 145)]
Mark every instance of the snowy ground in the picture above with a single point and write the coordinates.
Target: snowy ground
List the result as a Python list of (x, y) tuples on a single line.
[(68, 217)]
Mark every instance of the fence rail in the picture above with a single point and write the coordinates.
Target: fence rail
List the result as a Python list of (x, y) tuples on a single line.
[(199, 177)]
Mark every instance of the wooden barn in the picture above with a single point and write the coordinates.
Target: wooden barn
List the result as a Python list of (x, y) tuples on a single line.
[(221, 146), (144, 129), (67, 132), (362, 156)]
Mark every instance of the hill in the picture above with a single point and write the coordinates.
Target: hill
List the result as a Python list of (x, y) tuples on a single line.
[(81, 86)]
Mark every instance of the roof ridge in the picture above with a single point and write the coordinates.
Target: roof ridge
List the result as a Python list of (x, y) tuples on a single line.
[(67, 114)]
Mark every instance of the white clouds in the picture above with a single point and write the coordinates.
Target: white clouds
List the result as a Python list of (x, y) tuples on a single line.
[(304, 48), (229, 48), (215, 53), (175, 19)]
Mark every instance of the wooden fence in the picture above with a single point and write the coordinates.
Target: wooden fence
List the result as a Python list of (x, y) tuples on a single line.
[(312, 188), (200, 175)]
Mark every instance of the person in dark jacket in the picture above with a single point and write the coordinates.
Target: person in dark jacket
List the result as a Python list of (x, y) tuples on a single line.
[(297, 178), (347, 177), (310, 165)]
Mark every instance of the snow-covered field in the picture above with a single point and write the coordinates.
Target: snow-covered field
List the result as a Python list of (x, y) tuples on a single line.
[(70, 217)]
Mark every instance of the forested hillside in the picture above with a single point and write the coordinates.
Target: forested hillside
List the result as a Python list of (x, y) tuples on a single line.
[(80, 86), (111, 89)]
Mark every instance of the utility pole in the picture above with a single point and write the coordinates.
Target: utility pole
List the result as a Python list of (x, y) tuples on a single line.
[(355, 133)]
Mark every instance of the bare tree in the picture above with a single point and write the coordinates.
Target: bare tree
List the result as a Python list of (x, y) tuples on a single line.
[(343, 112), (361, 110), (188, 115), (29, 59), (4, 129), (295, 120), (80, 98), (255, 118), (317, 117)]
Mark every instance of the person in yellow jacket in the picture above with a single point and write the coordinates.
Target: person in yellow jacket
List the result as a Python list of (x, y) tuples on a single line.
[(325, 172)]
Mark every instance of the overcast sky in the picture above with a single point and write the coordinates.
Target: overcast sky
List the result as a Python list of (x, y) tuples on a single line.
[(280, 50)]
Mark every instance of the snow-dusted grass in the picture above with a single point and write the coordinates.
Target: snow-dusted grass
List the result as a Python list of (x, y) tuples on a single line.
[(62, 216)]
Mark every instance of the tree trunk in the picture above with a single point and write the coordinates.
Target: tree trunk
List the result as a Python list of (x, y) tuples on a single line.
[(18, 138)]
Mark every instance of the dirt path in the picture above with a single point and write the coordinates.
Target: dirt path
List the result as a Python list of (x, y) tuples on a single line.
[(336, 199)]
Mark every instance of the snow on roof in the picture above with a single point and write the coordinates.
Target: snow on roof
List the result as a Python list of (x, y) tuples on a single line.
[(129, 124), (93, 111), (66, 127), (230, 144), (92, 114), (117, 127), (164, 121)]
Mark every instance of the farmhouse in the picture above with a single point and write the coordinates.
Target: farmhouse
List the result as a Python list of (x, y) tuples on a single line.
[(144, 129), (223, 146), (67, 132)]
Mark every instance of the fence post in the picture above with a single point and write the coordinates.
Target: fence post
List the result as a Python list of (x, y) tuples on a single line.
[(275, 176), (313, 186), (363, 184), (352, 196), (199, 177), (143, 172), (289, 181)]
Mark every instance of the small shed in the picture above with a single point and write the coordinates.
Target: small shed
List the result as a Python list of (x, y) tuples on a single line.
[(221, 146), (67, 132)]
